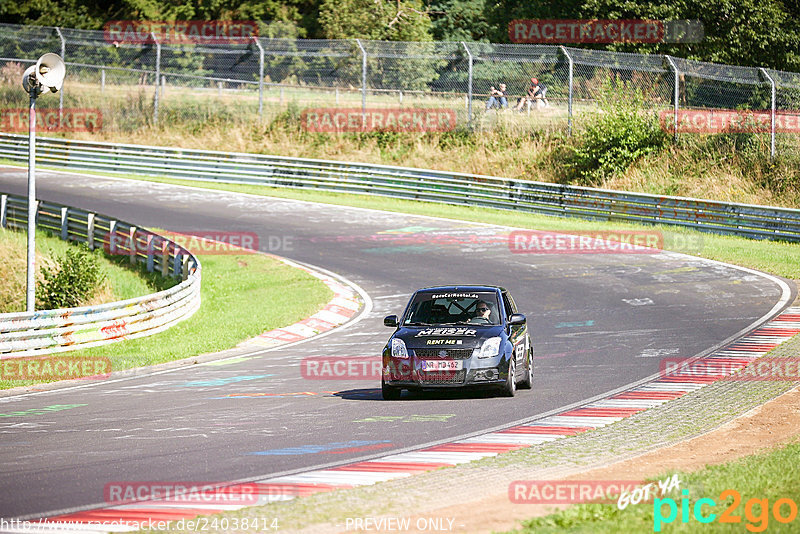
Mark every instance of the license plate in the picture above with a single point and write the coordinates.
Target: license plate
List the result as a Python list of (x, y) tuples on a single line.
[(441, 365)]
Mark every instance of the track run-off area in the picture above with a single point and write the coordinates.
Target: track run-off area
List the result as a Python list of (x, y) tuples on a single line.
[(599, 323)]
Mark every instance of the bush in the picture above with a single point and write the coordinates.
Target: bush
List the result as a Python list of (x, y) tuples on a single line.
[(619, 135), (73, 280)]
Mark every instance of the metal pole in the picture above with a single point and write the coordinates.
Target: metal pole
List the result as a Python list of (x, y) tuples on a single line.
[(158, 75), (677, 92), (260, 77), (469, 85), (772, 113), (363, 84), (61, 92), (30, 294), (571, 78)]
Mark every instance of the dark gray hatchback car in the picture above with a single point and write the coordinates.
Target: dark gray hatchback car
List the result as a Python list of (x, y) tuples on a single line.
[(458, 336)]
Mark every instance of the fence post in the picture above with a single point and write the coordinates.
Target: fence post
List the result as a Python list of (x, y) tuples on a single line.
[(3, 210), (260, 77), (61, 92), (469, 84), (102, 80), (158, 75), (570, 82), (676, 96), (772, 112), (363, 84)]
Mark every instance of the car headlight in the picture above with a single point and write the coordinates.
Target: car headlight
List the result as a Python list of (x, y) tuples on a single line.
[(490, 348), (399, 349)]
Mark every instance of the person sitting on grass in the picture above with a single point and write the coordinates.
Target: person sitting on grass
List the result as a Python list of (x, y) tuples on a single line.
[(536, 93), (497, 97), (529, 95)]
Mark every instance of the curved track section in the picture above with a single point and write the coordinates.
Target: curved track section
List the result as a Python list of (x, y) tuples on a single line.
[(600, 322)]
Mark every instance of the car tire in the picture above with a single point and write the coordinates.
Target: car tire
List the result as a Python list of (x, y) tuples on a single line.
[(510, 387), (527, 382), (390, 392)]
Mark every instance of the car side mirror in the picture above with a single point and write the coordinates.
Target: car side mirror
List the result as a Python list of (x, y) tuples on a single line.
[(517, 319), (390, 320)]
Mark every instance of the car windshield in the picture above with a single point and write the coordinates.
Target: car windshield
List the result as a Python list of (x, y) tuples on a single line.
[(436, 308)]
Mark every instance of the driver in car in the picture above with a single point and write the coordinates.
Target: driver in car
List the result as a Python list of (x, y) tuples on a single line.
[(482, 311)]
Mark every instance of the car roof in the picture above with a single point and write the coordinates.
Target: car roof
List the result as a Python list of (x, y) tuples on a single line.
[(442, 289)]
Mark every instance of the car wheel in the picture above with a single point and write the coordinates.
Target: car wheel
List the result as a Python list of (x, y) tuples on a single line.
[(510, 388), (390, 392), (527, 381)]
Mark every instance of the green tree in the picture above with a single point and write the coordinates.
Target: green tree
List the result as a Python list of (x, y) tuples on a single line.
[(382, 20), (459, 20)]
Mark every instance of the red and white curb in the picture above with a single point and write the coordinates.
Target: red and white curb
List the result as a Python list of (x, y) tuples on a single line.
[(339, 310), (590, 416)]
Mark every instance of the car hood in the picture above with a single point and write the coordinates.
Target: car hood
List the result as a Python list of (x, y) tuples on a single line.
[(459, 336)]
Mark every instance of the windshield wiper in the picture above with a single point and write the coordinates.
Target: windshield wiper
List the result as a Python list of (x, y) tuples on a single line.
[(417, 324)]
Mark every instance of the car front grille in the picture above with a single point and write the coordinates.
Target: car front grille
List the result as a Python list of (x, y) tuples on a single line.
[(452, 354), (443, 377)]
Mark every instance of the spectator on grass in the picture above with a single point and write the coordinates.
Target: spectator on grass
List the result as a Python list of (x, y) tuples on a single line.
[(537, 92), (498, 97)]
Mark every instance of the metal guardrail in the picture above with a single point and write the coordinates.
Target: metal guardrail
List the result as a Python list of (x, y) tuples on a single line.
[(49, 331), (760, 222)]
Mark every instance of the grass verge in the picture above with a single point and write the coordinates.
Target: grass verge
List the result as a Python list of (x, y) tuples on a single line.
[(766, 478), (242, 296)]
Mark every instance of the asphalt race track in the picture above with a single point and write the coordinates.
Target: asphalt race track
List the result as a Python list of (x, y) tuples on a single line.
[(599, 322)]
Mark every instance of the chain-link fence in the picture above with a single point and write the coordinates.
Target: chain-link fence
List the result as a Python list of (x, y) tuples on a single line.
[(138, 84)]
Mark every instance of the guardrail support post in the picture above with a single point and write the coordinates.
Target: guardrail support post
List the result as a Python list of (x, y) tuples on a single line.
[(185, 268), (132, 245), (61, 92), (112, 237), (90, 231), (260, 77), (676, 95), (570, 80), (766, 75), (164, 258), (64, 223), (363, 84), (3, 210), (469, 84), (158, 75), (176, 264), (150, 256)]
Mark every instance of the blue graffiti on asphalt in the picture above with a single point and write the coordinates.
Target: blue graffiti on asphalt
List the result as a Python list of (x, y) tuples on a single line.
[(315, 449), (219, 381), (575, 324)]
